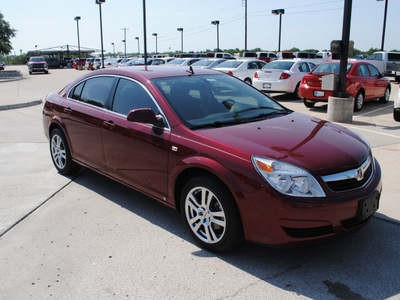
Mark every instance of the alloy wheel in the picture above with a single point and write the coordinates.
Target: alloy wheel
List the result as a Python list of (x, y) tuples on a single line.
[(58, 151)]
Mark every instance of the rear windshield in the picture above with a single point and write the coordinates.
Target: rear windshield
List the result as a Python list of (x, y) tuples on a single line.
[(176, 61), (330, 68), (203, 62), (230, 64), (279, 65), (394, 56), (250, 54)]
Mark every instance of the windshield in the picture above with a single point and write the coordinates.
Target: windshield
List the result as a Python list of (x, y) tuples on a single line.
[(230, 64), (216, 100), (330, 68), (279, 65), (37, 59)]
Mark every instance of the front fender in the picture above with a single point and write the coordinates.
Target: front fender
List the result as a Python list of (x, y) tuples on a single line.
[(190, 166)]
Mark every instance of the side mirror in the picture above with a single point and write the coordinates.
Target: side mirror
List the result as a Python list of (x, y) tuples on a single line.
[(145, 115)]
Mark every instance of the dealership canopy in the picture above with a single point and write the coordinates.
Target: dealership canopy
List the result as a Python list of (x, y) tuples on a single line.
[(62, 51)]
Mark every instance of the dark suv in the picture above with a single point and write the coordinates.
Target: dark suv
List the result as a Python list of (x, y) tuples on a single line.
[(37, 64)]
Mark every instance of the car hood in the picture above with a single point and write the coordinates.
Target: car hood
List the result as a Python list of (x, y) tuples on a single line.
[(316, 145)]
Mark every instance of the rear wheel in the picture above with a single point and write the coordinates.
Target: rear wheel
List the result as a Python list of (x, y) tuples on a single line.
[(60, 153), (308, 103), (359, 101), (396, 114), (211, 215), (248, 81), (296, 93), (386, 96)]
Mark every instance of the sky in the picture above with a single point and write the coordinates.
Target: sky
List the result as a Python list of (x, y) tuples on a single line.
[(306, 24)]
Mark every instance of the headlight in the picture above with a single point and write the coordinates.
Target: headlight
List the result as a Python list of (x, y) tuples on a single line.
[(287, 178)]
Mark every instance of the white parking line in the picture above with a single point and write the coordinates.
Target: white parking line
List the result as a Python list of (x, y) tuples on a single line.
[(377, 132), (370, 112)]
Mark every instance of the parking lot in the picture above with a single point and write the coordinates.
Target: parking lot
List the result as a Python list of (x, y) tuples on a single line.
[(87, 237)]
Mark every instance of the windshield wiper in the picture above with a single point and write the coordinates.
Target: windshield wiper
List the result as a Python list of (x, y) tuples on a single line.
[(216, 124), (266, 115)]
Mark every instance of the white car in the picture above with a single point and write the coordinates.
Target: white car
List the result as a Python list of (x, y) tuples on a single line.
[(243, 69), (396, 109), (208, 63), (112, 63), (183, 61), (161, 60), (282, 76)]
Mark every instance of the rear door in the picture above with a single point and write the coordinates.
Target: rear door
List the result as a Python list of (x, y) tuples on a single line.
[(135, 153), (380, 83), (367, 81), (83, 119)]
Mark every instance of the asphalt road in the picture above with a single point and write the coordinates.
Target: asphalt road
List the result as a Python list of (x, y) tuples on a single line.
[(88, 237)]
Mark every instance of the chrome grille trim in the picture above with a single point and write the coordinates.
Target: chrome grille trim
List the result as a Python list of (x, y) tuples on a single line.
[(356, 178)]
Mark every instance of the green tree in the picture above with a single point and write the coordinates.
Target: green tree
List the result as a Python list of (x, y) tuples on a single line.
[(6, 33)]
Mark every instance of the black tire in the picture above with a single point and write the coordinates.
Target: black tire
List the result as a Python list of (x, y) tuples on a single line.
[(386, 96), (396, 114), (308, 103), (397, 78), (359, 101), (46, 72), (248, 81), (216, 225), (296, 93), (30, 72), (60, 154), (61, 66)]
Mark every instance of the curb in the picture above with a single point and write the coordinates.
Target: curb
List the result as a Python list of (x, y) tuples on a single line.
[(20, 105)]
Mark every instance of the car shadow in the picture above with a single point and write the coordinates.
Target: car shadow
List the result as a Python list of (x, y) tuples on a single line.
[(362, 265)]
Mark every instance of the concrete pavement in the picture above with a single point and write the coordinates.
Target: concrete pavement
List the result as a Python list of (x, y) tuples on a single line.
[(91, 238)]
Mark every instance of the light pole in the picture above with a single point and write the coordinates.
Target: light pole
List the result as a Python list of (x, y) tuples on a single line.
[(181, 30), (245, 25), (99, 2), (138, 45), (155, 34), (216, 22), (124, 40), (144, 33), (279, 12), (113, 48), (77, 18), (384, 23)]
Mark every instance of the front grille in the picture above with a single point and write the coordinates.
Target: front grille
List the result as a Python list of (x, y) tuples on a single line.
[(349, 180), (299, 233)]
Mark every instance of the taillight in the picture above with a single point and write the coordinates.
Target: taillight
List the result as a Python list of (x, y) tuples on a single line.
[(256, 75), (230, 73), (284, 75)]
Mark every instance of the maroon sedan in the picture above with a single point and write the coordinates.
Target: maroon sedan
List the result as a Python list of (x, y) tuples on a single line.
[(364, 83), (236, 164)]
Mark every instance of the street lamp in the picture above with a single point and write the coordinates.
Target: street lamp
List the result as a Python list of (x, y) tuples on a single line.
[(279, 12), (384, 23), (77, 18), (113, 48), (155, 34), (99, 2), (181, 30), (124, 40), (138, 45), (216, 22)]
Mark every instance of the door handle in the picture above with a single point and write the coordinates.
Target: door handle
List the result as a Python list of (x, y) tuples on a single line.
[(68, 110), (109, 125)]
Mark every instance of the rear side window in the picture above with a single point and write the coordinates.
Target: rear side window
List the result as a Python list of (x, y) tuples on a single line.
[(374, 71), (76, 92), (363, 71), (96, 91), (130, 95)]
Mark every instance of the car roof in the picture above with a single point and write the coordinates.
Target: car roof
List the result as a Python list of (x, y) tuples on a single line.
[(150, 72)]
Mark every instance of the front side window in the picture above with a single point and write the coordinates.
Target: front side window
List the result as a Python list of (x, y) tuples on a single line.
[(96, 90), (130, 95), (374, 71)]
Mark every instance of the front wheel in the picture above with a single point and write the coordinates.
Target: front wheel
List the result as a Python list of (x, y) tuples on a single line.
[(296, 93), (386, 96), (211, 215), (359, 101), (60, 153)]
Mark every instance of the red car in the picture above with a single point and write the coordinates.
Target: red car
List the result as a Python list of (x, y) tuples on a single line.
[(76, 62), (364, 83), (235, 163)]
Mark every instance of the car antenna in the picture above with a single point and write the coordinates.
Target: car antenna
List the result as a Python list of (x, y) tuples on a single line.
[(190, 71)]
